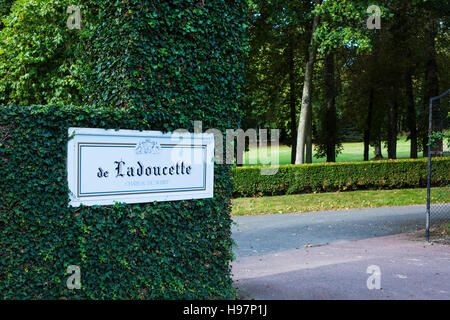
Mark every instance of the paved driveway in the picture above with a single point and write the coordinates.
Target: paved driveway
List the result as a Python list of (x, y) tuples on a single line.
[(262, 234), (273, 262), (410, 269)]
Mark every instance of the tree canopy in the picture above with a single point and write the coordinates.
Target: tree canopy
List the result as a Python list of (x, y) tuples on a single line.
[(364, 84)]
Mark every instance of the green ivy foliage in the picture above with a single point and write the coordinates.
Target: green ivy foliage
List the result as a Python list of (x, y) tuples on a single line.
[(147, 65), (38, 60), (165, 250), (181, 60), (329, 177), (5, 6)]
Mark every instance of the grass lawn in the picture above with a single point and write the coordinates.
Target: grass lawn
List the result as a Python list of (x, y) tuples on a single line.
[(331, 201), (352, 152)]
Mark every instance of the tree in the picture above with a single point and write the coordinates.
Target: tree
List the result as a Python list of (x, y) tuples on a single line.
[(434, 19), (304, 124), (277, 38), (5, 7), (331, 118), (390, 80), (38, 63), (342, 25)]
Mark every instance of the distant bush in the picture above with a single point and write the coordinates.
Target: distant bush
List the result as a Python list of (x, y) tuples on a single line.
[(328, 177)]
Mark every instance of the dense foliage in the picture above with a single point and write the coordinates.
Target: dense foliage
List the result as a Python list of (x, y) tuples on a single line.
[(372, 85), (181, 60), (5, 6), (160, 65), (343, 176), (169, 250), (38, 60)]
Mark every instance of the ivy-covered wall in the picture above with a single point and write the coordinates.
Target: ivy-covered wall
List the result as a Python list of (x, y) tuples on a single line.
[(181, 60), (178, 249), (149, 65)]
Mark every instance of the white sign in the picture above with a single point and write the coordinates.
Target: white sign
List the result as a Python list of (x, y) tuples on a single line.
[(108, 166)]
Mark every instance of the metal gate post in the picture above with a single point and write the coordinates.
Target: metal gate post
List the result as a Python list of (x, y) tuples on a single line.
[(430, 123)]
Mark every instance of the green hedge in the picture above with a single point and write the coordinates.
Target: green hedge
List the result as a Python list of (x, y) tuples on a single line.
[(328, 177), (167, 250), (161, 65)]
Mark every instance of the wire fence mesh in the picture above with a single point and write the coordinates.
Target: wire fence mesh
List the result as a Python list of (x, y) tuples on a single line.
[(438, 202), (439, 212)]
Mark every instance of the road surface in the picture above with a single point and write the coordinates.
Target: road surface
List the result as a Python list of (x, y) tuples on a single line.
[(325, 255), (255, 235)]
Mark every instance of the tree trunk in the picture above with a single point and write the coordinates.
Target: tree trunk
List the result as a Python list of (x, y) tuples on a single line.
[(432, 82), (306, 97), (292, 101), (378, 153), (308, 141), (437, 123), (392, 116), (331, 128), (395, 128), (368, 126), (412, 118), (425, 146)]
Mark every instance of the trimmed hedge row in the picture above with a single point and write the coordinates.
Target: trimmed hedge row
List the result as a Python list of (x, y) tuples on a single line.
[(328, 177)]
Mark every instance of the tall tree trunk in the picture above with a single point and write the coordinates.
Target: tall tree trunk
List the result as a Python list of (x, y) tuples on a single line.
[(368, 126), (395, 127), (392, 116), (308, 141), (331, 127), (306, 96), (378, 153), (437, 123), (425, 146), (412, 118), (432, 83), (292, 101)]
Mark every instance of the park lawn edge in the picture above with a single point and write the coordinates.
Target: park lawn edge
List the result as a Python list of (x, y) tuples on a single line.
[(262, 205)]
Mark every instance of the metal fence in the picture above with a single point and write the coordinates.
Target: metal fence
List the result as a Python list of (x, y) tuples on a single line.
[(438, 197)]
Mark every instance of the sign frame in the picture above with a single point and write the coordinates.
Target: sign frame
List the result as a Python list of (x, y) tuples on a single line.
[(81, 153)]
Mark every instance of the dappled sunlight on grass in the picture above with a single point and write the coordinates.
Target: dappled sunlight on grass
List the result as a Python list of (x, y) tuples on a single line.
[(353, 151), (329, 201)]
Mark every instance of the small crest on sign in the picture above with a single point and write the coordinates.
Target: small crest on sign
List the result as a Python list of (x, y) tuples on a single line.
[(148, 147)]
